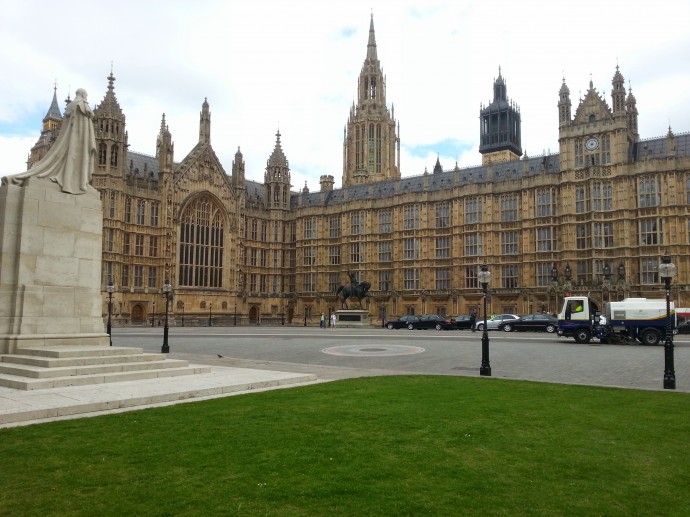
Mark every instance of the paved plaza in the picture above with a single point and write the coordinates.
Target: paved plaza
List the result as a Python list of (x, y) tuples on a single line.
[(247, 359)]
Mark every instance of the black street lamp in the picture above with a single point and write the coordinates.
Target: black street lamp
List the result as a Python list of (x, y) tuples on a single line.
[(554, 283), (153, 314), (167, 291), (607, 272), (110, 288), (484, 277), (210, 320), (667, 270)]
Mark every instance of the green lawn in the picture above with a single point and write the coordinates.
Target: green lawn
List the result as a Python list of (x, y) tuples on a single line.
[(389, 446)]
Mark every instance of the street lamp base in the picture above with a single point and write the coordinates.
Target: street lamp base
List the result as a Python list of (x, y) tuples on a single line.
[(485, 371), (669, 382), (165, 349)]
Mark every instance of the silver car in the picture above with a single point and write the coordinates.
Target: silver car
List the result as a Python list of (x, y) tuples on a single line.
[(495, 321)]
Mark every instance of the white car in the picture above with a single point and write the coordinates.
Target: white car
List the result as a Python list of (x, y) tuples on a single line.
[(493, 323)]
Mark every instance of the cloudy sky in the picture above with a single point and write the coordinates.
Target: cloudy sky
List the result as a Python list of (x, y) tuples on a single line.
[(266, 65)]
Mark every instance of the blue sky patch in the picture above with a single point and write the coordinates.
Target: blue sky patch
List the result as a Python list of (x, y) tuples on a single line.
[(348, 32), (448, 147)]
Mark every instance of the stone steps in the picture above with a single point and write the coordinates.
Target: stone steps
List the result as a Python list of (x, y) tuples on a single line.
[(63, 366)]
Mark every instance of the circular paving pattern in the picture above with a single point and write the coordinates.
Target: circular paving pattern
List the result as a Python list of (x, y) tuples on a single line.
[(372, 350)]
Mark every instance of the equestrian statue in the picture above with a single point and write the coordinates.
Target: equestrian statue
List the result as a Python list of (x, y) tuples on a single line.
[(354, 290)]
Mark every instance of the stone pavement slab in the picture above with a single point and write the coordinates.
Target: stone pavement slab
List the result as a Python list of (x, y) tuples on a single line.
[(20, 407)]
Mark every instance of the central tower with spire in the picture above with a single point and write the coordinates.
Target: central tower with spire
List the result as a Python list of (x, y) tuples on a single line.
[(371, 147)]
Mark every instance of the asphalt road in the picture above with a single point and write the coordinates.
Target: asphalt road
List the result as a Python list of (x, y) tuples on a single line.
[(341, 352)]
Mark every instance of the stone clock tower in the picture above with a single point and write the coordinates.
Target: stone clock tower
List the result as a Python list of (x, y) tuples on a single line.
[(598, 135)]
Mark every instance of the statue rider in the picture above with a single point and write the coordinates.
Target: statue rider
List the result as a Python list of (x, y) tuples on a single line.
[(353, 280)]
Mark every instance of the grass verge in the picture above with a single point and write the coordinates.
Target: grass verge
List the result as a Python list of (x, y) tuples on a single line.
[(409, 445)]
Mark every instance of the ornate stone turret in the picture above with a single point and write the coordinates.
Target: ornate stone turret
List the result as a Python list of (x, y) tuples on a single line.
[(618, 94), (277, 179), (371, 146), (238, 170), (437, 167), (205, 124), (564, 106), (111, 135), (326, 182), (631, 110), (164, 147), (49, 132), (500, 127)]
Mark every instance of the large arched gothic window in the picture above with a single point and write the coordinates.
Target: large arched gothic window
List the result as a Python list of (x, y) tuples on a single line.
[(201, 244)]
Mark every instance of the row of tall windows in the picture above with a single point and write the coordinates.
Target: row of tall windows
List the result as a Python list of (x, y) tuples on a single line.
[(140, 206), (369, 139), (585, 271), (596, 234), (597, 196), (136, 276), (103, 154), (649, 194)]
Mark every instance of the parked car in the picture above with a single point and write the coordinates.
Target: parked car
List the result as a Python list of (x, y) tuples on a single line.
[(683, 328), (495, 321), (462, 323), (401, 322), (531, 322), (431, 321)]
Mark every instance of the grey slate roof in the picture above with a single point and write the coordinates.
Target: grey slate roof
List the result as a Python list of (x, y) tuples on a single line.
[(434, 182), (142, 166), (657, 147)]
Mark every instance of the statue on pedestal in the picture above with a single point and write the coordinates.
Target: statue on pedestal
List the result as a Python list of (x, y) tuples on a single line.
[(353, 290), (70, 161)]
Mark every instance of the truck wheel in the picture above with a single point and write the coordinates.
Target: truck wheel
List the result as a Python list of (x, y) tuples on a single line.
[(390, 326), (582, 335), (650, 337), (550, 329)]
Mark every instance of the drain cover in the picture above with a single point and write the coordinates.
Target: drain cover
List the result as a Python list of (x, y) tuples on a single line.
[(373, 351)]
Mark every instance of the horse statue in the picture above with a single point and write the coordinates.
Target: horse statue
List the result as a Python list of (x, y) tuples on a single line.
[(359, 292)]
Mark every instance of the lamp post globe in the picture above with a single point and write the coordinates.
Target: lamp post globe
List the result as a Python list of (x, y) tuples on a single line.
[(167, 291), (667, 270), (484, 277), (110, 288)]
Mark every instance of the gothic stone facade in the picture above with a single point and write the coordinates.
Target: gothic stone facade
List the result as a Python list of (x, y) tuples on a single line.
[(595, 218)]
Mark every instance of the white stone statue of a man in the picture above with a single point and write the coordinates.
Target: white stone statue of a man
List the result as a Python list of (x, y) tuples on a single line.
[(70, 161)]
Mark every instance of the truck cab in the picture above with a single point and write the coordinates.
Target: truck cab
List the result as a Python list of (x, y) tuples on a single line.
[(577, 317)]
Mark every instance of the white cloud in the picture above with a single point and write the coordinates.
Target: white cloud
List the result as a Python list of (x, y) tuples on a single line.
[(269, 65)]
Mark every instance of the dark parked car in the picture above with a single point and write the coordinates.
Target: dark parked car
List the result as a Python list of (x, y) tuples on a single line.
[(462, 323), (683, 328), (531, 322), (431, 321), (401, 322)]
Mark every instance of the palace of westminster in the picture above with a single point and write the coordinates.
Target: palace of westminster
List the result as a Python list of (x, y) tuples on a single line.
[(594, 218)]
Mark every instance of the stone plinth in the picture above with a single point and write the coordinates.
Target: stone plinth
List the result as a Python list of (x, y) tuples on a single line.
[(50, 274), (352, 318)]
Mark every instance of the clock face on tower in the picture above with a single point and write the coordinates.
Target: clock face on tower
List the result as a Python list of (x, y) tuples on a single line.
[(591, 144)]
